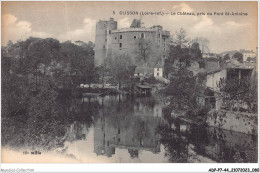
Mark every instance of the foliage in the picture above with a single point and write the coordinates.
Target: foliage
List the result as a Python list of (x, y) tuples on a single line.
[(226, 57), (147, 53), (180, 58), (184, 96), (239, 91), (144, 48), (120, 68), (81, 61), (31, 66), (175, 146), (195, 52), (181, 39), (204, 44), (251, 59), (238, 56), (184, 87)]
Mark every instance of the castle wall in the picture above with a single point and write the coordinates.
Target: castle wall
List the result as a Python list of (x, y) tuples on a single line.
[(110, 41), (103, 29)]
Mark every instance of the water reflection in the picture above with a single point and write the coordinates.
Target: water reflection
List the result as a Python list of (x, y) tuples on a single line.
[(130, 125), (185, 142), (127, 129)]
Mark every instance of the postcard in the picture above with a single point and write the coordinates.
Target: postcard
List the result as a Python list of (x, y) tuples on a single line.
[(129, 82)]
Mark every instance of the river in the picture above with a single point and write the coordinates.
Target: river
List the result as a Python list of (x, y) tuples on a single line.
[(122, 129)]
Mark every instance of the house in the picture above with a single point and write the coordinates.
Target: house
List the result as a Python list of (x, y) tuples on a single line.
[(209, 55), (158, 70), (248, 54), (213, 77)]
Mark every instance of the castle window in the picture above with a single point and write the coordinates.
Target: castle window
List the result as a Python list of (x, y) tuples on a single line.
[(105, 39), (164, 56), (164, 49), (158, 69), (118, 139), (118, 131), (109, 31), (157, 74), (115, 38), (159, 35), (120, 45), (164, 39), (134, 37), (142, 35), (121, 37), (104, 47)]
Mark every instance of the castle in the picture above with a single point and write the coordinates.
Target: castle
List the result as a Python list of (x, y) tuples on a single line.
[(111, 40)]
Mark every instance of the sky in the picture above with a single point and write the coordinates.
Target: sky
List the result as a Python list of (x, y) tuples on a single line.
[(77, 20)]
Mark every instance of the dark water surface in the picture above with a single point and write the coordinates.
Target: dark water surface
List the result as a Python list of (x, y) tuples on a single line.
[(126, 129)]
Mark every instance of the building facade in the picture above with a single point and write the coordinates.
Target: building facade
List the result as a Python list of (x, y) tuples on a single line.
[(248, 54), (111, 41)]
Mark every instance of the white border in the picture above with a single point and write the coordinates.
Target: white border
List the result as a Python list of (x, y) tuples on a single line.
[(136, 167)]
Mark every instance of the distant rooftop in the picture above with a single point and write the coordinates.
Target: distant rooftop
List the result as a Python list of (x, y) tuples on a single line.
[(247, 51)]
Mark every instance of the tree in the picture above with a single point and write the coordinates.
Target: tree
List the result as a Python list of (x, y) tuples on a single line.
[(195, 52), (181, 38), (184, 97), (226, 57), (102, 71), (178, 59), (119, 68), (237, 91), (15, 93), (238, 56), (203, 43), (81, 62), (43, 52), (185, 90), (143, 50), (251, 59)]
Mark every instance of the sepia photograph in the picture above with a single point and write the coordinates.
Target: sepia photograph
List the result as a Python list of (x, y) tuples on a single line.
[(129, 82)]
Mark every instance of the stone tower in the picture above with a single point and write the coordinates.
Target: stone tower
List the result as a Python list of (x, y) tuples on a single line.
[(103, 30)]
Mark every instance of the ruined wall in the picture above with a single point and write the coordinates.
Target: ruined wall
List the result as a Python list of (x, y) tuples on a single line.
[(214, 78), (235, 121)]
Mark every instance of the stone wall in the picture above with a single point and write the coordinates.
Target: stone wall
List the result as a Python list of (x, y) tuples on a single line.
[(235, 121)]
